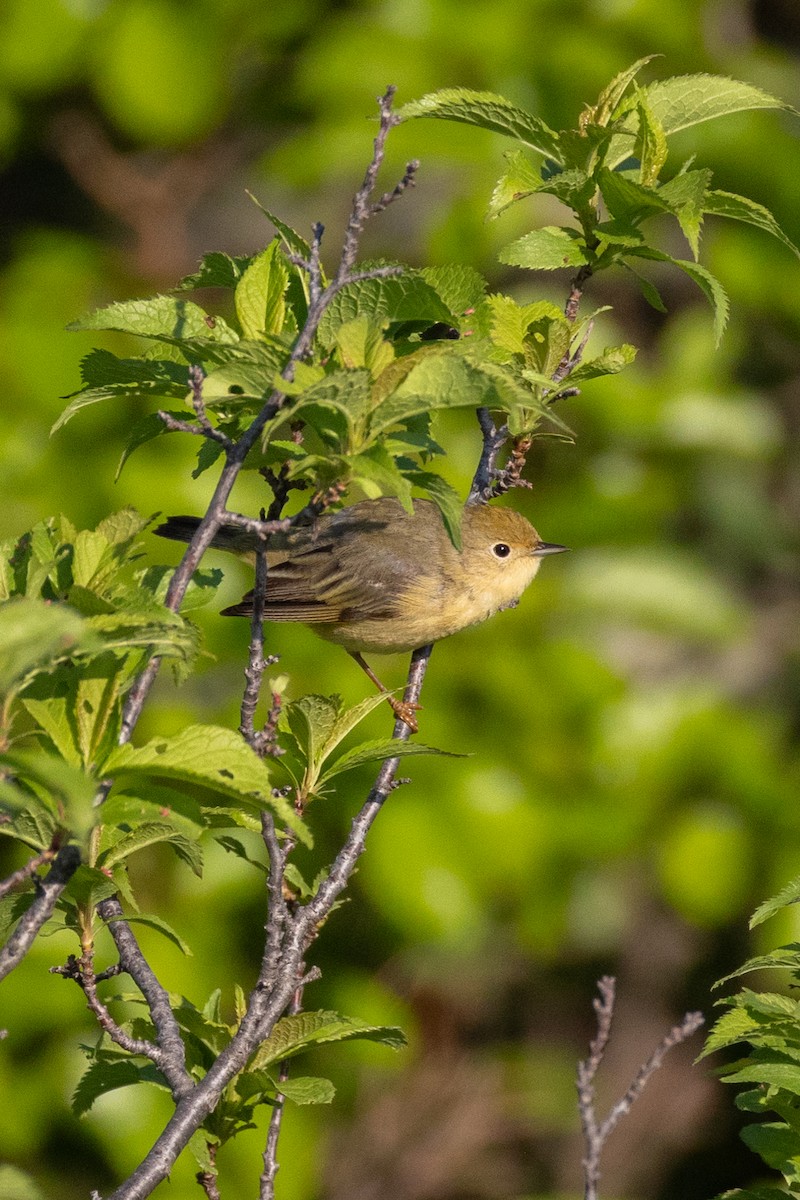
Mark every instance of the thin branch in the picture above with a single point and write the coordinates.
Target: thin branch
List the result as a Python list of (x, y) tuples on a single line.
[(48, 891), (236, 454), (168, 1035), (23, 874), (486, 472), (268, 1001), (266, 1190), (256, 662), (595, 1132), (82, 971)]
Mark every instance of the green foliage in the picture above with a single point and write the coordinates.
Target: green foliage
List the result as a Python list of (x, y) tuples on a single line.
[(608, 173), (81, 616), (769, 1024)]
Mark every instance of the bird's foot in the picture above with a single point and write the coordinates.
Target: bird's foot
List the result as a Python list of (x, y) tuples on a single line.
[(404, 711)]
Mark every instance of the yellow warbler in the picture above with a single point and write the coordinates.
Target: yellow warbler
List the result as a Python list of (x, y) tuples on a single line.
[(375, 578)]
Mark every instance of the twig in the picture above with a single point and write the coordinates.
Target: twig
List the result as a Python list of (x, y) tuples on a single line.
[(256, 662), (82, 971), (486, 472), (236, 453), (596, 1133), (281, 969), (48, 891), (266, 1189), (168, 1035), (23, 874)]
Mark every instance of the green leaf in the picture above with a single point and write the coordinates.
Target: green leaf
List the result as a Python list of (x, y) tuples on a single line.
[(651, 142), (398, 298), (485, 110), (159, 317), (688, 196), (216, 270), (378, 751), (460, 287), (628, 200), (34, 636), (609, 98), (785, 956), (741, 208), (447, 377), (613, 360), (292, 1035), (649, 290), (306, 1089), (790, 894), (521, 179), (147, 834), (782, 1074), (446, 499), (260, 294), (777, 1144), (212, 757), (708, 284), (110, 378), (293, 241), (57, 779), (103, 1077), (685, 100), (547, 249), (161, 926)]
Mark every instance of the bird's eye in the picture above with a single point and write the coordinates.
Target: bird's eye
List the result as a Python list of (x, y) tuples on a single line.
[(501, 550)]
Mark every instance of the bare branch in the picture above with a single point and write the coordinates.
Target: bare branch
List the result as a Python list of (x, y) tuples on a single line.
[(596, 1133), (48, 891), (486, 472), (82, 971), (168, 1035), (23, 874)]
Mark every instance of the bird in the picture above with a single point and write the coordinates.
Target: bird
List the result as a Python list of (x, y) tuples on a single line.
[(375, 578)]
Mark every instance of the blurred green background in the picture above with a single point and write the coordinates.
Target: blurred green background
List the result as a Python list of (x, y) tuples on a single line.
[(631, 790)]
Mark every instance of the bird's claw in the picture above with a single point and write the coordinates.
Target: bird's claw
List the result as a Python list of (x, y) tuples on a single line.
[(404, 711)]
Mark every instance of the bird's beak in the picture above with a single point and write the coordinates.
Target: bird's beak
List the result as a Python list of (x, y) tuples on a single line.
[(547, 548)]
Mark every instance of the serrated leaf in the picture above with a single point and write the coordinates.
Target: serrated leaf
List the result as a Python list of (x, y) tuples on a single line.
[(628, 200), (685, 100), (212, 757), (446, 377), (293, 241), (611, 95), (102, 1077), (459, 286), (708, 284), (159, 317), (785, 956), (74, 788), (485, 110), (446, 499), (613, 360), (306, 1089), (399, 298), (521, 179), (144, 835), (548, 249), (650, 146), (34, 636), (216, 270), (741, 208), (157, 923), (790, 894), (294, 1034), (260, 295), (378, 751), (777, 1144)]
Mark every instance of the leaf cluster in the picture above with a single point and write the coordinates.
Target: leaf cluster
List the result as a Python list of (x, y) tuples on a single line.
[(768, 1023), (609, 172)]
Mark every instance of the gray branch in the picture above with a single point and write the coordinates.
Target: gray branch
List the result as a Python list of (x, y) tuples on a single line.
[(48, 891)]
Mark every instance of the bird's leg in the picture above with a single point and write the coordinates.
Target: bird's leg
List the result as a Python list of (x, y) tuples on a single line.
[(401, 709)]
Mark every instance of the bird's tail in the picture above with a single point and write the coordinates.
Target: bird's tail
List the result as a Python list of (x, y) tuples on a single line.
[(227, 537)]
